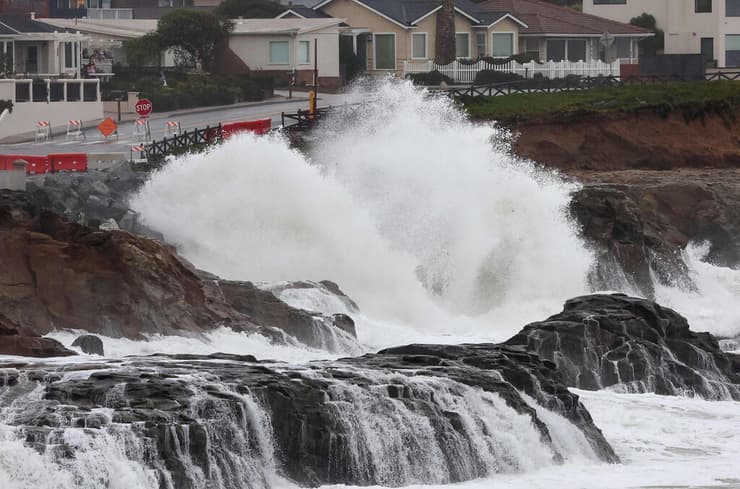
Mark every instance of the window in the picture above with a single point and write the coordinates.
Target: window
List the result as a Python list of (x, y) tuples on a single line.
[(480, 44), (624, 47), (555, 49), (385, 51), (610, 2), (576, 50), (703, 6), (304, 52), (732, 50), (419, 45), (68, 55), (502, 45), (279, 53), (732, 8), (707, 48), (462, 45)]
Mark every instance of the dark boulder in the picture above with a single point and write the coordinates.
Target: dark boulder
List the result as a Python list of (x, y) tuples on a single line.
[(89, 344), (631, 344)]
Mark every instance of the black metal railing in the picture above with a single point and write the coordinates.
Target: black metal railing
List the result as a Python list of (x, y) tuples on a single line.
[(157, 150), (548, 85), (303, 119), (723, 75)]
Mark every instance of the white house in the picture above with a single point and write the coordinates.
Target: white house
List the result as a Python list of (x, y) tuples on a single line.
[(278, 46), (709, 27), (43, 77)]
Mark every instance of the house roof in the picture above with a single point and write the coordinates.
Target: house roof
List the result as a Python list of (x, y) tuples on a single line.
[(23, 24), (127, 28), (282, 26), (303, 12), (408, 13), (546, 18)]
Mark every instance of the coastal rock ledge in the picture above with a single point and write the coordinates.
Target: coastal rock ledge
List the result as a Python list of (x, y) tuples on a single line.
[(633, 345)]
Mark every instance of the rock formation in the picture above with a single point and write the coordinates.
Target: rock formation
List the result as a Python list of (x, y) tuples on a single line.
[(90, 344), (60, 275), (634, 345), (15, 340), (421, 413)]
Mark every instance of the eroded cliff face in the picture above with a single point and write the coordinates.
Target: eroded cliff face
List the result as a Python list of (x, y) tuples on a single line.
[(652, 184), (648, 141), (60, 275)]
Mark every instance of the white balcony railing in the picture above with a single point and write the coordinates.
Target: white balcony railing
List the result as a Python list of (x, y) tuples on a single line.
[(50, 90), (110, 13)]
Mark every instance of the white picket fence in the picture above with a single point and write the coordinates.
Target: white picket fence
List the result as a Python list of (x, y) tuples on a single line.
[(465, 73)]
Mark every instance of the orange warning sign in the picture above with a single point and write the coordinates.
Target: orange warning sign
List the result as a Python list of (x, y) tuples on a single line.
[(107, 127)]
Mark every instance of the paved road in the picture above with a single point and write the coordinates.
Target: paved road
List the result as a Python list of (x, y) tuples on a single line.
[(189, 119)]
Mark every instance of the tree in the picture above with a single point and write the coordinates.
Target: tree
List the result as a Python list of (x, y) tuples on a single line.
[(444, 44), (651, 45), (193, 36), (254, 9), (143, 51)]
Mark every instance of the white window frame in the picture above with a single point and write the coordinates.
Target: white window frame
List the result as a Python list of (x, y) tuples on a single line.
[(269, 53), (375, 51), (308, 59), (426, 45), (514, 42), (467, 34)]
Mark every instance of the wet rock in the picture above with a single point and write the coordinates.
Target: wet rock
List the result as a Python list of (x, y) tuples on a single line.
[(634, 345), (15, 340), (89, 344), (421, 413)]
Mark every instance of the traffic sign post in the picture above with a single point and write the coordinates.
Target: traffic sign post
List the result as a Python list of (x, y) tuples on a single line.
[(143, 107)]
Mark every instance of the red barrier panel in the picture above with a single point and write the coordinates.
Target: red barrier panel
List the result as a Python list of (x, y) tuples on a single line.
[(628, 70), (36, 164), (261, 126), (68, 162)]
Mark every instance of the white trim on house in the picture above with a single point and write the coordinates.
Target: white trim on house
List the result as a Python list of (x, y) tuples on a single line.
[(375, 51), (326, 2), (426, 44), (426, 15), (507, 16), (290, 11), (468, 15)]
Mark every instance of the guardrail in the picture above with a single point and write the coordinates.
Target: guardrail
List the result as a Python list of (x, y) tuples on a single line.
[(552, 85)]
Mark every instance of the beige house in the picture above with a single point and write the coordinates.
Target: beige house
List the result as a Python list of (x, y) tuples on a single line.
[(708, 27), (278, 47), (385, 33)]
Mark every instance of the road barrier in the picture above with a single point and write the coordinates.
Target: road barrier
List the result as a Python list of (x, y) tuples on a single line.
[(261, 126), (75, 162), (74, 129), (43, 131), (142, 130), (52, 163), (172, 128)]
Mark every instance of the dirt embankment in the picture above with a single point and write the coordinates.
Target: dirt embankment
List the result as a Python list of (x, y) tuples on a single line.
[(648, 141)]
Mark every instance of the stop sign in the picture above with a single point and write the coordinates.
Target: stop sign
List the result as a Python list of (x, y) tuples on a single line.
[(144, 107)]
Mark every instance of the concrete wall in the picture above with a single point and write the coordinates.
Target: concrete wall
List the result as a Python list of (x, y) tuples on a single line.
[(683, 27), (25, 115), (254, 50)]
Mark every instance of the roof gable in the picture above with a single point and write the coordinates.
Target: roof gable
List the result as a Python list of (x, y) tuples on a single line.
[(546, 18), (23, 24), (408, 13)]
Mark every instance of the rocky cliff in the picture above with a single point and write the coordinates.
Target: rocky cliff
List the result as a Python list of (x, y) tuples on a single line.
[(60, 275)]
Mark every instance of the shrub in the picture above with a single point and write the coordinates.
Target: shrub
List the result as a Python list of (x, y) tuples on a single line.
[(488, 77), (433, 78)]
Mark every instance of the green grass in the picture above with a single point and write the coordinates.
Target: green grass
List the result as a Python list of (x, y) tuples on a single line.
[(694, 99)]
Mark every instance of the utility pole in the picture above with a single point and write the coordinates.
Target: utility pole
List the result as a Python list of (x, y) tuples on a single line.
[(314, 99)]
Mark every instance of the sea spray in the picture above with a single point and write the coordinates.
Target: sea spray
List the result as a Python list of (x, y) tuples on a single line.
[(417, 213)]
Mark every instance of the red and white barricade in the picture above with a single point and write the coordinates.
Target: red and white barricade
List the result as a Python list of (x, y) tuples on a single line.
[(75, 129), (43, 131)]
